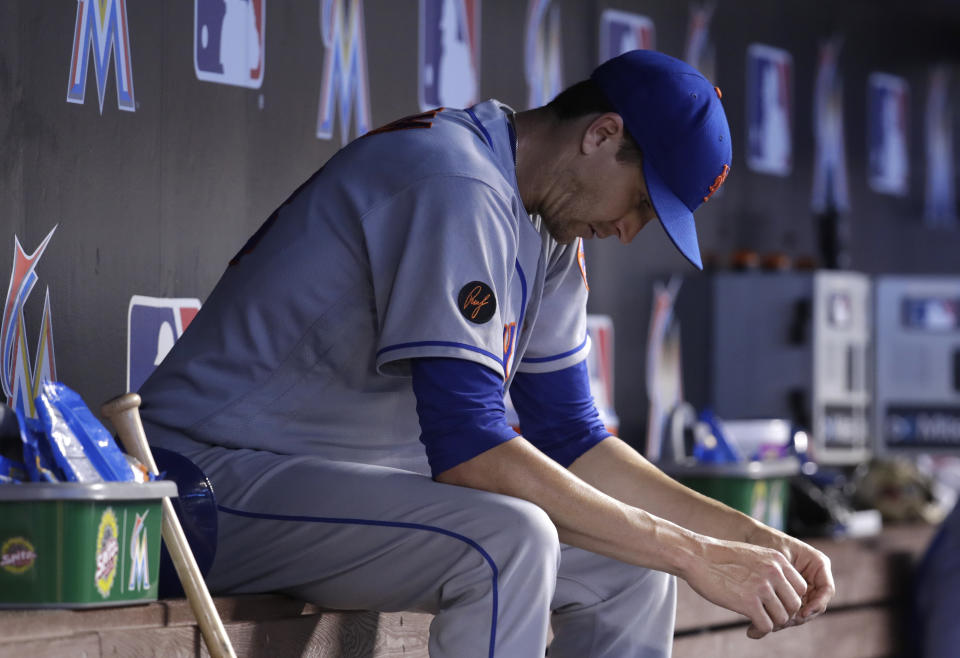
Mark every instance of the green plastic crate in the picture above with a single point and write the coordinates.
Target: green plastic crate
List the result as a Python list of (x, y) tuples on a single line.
[(74, 545), (760, 489)]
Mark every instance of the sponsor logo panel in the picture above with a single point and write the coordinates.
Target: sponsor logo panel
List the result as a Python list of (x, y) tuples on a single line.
[(108, 551), (922, 427), (229, 41), (17, 555)]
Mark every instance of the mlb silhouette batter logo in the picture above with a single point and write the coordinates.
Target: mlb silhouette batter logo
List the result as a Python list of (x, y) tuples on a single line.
[(769, 110), (228, 41), (888, 164), (153, 325), (621, 31), (449, 53), (940, 198)]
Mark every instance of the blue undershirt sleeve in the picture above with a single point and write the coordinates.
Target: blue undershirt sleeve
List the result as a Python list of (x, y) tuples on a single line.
[(461, 410), (557, 413)]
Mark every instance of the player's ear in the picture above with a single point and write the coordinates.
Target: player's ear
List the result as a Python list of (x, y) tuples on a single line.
[(605, 131)]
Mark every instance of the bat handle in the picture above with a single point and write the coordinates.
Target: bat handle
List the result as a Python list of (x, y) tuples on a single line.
[(124, 413)]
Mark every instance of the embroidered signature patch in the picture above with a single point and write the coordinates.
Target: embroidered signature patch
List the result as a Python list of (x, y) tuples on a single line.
[(477, 302)]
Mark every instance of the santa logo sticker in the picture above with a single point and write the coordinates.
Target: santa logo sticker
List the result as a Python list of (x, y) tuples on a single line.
[(108, 550), (17, 555)]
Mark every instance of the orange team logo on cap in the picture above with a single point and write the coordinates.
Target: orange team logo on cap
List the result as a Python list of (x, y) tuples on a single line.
[(718, 182)]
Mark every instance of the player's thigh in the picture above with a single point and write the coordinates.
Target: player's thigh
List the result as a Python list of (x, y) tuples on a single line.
[(586, 579), (355, 535)]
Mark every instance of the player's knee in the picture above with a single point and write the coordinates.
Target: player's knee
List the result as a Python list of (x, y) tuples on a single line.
[(530, 533)]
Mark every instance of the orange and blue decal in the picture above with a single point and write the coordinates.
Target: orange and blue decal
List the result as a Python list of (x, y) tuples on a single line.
[(509, 341), (582, 262)]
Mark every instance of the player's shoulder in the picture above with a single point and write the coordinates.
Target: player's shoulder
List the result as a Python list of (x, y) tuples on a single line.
[(439, 143)]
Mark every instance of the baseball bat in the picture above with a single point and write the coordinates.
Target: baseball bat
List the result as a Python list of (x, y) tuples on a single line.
[(124, 414)]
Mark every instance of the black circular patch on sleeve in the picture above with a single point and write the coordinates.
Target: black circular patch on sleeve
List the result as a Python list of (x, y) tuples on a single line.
[(477, 302)]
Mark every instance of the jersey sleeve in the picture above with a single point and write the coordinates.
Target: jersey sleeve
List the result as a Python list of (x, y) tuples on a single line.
[(559, 335), (557, 412), (442, 252)]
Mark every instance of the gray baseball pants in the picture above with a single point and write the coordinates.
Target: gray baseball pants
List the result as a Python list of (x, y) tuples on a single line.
[(489, 567)]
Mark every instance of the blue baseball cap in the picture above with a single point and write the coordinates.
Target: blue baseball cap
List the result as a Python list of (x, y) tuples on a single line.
[(675, 116)]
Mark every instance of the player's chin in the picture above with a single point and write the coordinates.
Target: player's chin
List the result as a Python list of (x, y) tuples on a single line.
[(567, 233)]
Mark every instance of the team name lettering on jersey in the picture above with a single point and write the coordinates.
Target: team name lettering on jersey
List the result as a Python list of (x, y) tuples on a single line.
[(422, 120), (509, 340), (477, 302)]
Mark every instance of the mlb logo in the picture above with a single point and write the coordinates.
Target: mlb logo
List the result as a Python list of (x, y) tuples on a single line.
[(153, 325), (622, 31), (228, 41), (449, 53), (888, 164), (769, 110)]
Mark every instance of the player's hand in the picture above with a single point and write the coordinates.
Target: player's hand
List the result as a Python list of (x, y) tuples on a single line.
[(758, 582), (813, 565)]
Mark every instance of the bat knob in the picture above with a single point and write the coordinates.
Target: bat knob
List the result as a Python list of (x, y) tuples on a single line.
[(119, 404)]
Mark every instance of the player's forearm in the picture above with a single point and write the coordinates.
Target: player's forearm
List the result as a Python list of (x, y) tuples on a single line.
[(621, 472), (584, 516)]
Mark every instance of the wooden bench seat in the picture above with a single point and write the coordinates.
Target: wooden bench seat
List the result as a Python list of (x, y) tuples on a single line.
[(863, 621)]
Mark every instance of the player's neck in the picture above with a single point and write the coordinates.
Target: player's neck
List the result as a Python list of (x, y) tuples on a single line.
[(543, 148)]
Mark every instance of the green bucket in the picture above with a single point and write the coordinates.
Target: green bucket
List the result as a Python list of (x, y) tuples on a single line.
[(73, 545), (760, 489)]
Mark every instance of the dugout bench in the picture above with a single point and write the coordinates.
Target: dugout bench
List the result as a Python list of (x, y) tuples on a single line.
[(866, 620)]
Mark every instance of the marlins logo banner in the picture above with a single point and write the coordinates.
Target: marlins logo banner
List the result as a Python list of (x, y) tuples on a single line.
[(344, 85), (21, 380), (543, 61), (101, 27), (769, 110), (940, 200), (154, 324), (888, 164), (699, 51), (229, 38), (621, 31), (449, 53), (830, 188)]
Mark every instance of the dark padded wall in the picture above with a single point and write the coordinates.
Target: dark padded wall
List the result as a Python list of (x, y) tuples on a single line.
[(156, 201)]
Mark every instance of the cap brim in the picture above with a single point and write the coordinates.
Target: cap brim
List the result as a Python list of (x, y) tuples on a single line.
[(676, 218)]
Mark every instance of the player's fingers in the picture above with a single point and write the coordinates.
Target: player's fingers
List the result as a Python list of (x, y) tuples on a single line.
[(753, 633), (789, 598), (775, 608), (796, 580), (760, 622), (816, 604), (819, 595)]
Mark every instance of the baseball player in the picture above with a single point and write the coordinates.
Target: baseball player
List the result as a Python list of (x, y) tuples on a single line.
[(343, 385)]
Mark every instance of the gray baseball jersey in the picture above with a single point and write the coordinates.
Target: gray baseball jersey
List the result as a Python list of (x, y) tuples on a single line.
[(411, 242)]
